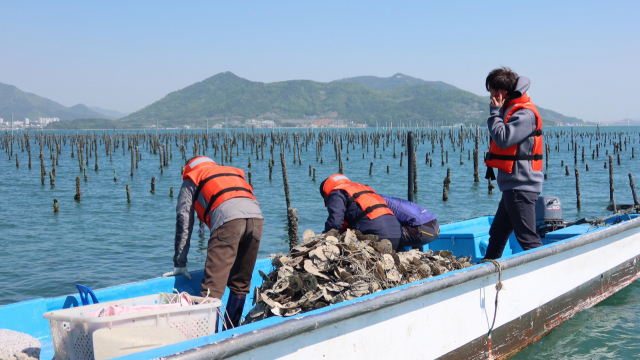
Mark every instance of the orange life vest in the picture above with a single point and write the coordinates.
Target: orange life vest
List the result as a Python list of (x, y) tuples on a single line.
[(216, 183), (504, 159), (372, 204)]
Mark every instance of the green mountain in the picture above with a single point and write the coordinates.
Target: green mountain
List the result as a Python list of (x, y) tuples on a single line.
[(26, 105), (382, 84), (226, 95)]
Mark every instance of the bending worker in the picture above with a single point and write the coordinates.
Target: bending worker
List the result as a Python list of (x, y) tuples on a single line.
[(358, 207), (224, 201), (419, 225), (515, 150)]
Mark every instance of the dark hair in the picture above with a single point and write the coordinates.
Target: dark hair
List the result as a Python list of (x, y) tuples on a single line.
[(324, 196), (502, 79)]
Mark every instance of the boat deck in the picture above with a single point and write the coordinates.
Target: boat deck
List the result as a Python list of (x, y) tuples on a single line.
[(463, 238)]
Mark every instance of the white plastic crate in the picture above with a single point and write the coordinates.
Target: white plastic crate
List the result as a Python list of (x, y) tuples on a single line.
[(72, 334)]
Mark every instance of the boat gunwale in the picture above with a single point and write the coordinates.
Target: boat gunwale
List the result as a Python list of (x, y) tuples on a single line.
[(238, 341)]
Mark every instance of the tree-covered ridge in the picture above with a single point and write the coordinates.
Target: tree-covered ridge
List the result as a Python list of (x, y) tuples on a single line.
[(383, 84), (26, 105), (226, 95)]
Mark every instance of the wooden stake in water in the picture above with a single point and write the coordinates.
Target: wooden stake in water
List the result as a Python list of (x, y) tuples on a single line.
[(17, 164), (78, 192), (491, 186), (285, 179), (51, 182), (633, 190), (447, 180), (292, 217), (611, 178), (171, 192), (128, 194), (578, 188), (415, 174), (153, 185), (55, 206), (250, 184), (370, 168), (132, 163), (445, 197), (114, 176), (314, 175)]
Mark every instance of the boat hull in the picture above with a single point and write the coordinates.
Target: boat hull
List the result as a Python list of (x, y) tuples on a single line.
[(449, 317)]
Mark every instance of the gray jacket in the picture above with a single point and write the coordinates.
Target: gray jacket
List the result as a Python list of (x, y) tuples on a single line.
[(236, 208), (516, 131)]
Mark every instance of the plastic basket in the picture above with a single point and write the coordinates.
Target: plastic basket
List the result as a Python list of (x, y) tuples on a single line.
[(72, 334)]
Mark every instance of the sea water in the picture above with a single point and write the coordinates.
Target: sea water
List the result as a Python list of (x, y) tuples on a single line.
[(102, 240)]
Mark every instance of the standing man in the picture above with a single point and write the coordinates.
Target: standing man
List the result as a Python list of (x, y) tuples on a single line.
[(515, 150), (358, 207), (224, 201)]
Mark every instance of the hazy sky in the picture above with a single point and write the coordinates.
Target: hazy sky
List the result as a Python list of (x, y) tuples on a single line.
[(583, 57)]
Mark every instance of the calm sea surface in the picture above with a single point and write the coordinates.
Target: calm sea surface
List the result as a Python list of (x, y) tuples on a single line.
[(103, 241)]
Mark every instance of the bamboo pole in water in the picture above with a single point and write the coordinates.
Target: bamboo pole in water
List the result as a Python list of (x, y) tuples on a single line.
[(292, 216), (633, 190), (78, 192), (285, 180), (410, 167), (611, 178), (578, 188)]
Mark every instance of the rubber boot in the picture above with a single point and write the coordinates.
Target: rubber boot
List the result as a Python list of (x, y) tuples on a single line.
[(235, 305)]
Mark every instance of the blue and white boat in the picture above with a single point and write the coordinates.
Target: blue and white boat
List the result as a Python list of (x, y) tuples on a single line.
[(443, 317)]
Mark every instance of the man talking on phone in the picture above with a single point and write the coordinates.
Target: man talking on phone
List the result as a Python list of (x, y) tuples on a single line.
[(515, 149)]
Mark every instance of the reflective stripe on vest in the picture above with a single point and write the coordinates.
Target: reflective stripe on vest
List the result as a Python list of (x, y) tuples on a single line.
[(504, 159), (218, 184), (372, 204)]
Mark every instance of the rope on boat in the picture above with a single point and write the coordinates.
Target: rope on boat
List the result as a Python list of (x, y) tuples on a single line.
[(498, 288)]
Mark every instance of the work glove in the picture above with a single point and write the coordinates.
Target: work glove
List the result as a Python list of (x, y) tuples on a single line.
[(178, 271)]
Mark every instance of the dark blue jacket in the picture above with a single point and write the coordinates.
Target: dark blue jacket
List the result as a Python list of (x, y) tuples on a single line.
[(408, 213), (385, 226)]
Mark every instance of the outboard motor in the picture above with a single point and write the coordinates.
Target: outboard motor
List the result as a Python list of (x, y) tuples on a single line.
[(548, 214)]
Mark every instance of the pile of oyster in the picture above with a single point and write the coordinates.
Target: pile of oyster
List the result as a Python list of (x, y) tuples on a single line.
[(330, 268)]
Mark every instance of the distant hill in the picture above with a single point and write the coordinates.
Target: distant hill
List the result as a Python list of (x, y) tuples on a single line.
[(552, 117), (383, 84), (226, 95), (26, 105), (110, 114)]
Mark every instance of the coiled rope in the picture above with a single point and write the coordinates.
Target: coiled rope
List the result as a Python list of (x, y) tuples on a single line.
[(498, 288)]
